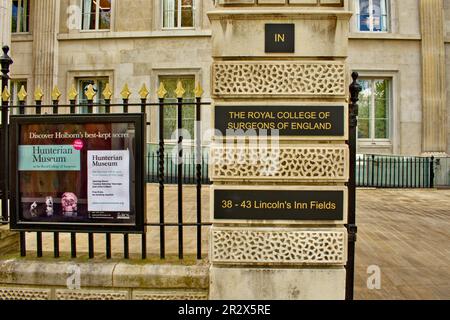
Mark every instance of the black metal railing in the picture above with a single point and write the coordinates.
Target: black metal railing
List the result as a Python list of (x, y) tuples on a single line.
[(381, 171), (193, 171), (171, 169)]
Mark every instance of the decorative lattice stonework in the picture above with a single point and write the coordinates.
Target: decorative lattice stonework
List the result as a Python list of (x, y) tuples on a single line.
[(242, 162), (24, 294), (65, 294), (279, 79), (153, 295), (278, 246)]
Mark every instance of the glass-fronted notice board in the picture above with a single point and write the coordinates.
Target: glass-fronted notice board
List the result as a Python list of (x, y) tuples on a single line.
[(78, 173)]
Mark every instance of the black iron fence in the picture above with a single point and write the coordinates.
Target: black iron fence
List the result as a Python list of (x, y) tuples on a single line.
[(171, 169), (162, 174), (395, 171), (377, 171)]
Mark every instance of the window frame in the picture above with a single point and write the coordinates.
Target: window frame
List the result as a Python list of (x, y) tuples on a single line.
[(19, 20), (179, 17), (160, 77), (372, 125), (388, 18), (97, 18)]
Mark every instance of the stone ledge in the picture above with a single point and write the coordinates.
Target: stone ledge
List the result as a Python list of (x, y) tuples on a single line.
[(290, 13), (161, 276), (103, 274)]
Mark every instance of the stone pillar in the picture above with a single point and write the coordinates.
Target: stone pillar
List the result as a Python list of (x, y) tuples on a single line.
[(5, 23), (269, 240), (435, 130), (45, 45)]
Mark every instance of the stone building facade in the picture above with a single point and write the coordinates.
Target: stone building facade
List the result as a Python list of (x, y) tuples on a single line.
[(400, 48)]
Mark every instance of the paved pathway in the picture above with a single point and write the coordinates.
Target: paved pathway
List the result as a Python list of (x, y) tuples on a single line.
[(406, 233)]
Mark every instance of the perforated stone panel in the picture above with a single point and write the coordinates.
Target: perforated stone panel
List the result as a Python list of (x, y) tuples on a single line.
[(154, 295), (279, 79), (239, 162), (7, 293), (64, 294), (278, 246)]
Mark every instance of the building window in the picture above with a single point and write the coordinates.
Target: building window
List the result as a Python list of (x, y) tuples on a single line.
[(373, 15), (178, 14), (170, 112), (99, 85), (96, 15), (374, 122), (15, 86), (20, 16)]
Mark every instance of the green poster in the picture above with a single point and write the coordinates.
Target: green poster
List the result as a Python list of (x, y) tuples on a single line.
[(48, 158)]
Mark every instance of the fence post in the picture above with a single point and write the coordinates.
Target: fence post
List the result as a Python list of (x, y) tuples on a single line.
[(352, 229), (22, 95), (198, 160), (125, 93), (107, 94), (90, 94), (180, 93), (373, 171), (5, 62), (161, 95), (432, 173), (73, 94)]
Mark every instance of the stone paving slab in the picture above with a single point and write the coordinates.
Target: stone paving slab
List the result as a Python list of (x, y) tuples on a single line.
[(406, 233)]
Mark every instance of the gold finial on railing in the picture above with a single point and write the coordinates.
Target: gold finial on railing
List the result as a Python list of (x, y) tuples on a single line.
[(38, 94), (144, 92), (180, 90), (162, 91), (22, 94), (5, 94), (73, 93), (198, 90), (107, 93), (56, 94), (125, 93), (90, 92)]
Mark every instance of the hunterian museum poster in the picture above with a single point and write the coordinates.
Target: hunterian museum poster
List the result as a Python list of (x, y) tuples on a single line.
[(76, 173)]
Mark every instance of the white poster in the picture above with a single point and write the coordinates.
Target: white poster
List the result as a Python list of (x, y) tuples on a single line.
[(109, 181)]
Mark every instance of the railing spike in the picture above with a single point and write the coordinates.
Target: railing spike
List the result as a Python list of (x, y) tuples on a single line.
[(73, 93), (107, 93), (38, 94), (198, 90), (144, 92), (162, 91), (125, 93), (56, 94), (180, 90), (5, 94), (90, 92), (22, 94)]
